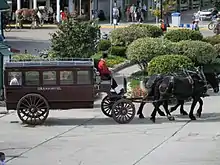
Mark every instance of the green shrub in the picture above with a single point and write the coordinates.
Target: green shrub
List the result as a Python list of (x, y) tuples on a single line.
[(168, 64), (199, 52), (118, 51), (143, 50), (24, 57), (151, 30), (125, 36), (217, 48), (75, 39), (212, 39), (111, 60), (183, 34), (104, 45)]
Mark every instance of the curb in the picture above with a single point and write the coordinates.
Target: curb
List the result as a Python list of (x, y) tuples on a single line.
[(104, 27)]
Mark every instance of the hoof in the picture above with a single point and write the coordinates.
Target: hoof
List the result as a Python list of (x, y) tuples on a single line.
[(172, 109), (192, 117), (182, 112), (161, 113), (153, 119), (171, 118), (141, 116), (198, 114)]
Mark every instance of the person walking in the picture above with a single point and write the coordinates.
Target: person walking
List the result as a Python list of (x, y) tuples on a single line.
[(132, 11), (2, 158)]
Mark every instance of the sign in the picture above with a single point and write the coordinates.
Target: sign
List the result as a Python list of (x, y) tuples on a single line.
[(49, 89)]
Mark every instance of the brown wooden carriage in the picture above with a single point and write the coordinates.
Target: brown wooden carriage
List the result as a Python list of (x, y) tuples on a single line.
[(32, 88)]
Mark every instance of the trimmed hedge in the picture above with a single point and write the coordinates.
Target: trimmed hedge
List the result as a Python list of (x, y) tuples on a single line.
[(125, 36), (217, 48), (198, 51), (24, 57), (104, 45), (118, 51), (183, 34), (212, 39), (168, 64), (143, 50)]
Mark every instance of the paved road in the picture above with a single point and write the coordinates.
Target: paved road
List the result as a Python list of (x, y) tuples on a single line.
[(87, 137), (30, 40)]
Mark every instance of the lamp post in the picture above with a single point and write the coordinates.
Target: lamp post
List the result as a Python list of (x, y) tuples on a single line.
[(161, 9)]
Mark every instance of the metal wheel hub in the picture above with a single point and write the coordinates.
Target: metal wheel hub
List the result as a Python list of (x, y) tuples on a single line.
[(124, 111), (33, 109)]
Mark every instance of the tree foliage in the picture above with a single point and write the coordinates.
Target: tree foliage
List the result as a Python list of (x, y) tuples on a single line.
[(75, 39)]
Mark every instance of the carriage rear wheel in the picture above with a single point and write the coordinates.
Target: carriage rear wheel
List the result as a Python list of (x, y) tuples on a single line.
[(33, 109), (106, 106), (123, 111)]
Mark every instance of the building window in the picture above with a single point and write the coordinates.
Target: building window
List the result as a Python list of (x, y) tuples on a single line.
[(14, 78), (84, 77), (32, 78), (49, 78), (66, 77)]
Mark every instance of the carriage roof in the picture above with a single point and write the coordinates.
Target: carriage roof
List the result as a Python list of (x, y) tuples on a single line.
[(61, 63)]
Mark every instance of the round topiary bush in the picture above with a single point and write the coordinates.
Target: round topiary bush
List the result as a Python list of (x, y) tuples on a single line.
[(198, 51), (212, 39), (118, 51), (168, 64), (125, 36), (183, 34), (104, 45), (143, 50), (217, 48)]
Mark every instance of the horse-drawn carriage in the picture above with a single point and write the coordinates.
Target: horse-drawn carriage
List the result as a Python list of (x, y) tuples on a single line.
[(32, 88)]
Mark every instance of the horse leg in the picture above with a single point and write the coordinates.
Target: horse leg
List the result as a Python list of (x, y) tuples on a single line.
[(182, 111), (195, 100), (157, 105), (176, 106), (169, 116), (199, 111), (140, 110)]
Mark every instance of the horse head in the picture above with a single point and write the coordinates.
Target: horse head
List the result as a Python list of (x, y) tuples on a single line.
[(209, 77)]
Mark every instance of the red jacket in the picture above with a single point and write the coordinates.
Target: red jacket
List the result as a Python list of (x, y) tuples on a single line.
[(102, 67)]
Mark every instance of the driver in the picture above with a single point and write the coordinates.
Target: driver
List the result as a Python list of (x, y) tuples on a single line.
[(105, 73)]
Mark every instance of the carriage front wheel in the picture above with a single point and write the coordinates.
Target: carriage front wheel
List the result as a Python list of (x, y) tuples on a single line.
[(106, 106), (123, 111), (33, 109)]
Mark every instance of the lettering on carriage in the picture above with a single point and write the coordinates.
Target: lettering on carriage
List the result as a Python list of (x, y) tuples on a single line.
[(49, 89)]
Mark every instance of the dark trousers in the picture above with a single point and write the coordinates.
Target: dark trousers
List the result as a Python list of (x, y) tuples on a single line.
[(109, 77)]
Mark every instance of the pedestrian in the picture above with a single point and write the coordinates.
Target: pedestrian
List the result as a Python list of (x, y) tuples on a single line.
[(2, 158), (128, 14), (163, 26), (195, 26), (115, 15), (132, 11)]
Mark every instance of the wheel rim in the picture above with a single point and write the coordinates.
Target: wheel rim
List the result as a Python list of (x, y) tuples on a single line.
[(33, 109), (124, 112), (107, 106)]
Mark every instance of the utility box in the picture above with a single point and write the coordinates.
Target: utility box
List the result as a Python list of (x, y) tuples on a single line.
[(176, 18)]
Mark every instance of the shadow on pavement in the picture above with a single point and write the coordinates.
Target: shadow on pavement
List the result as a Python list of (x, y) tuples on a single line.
[(206, 117)]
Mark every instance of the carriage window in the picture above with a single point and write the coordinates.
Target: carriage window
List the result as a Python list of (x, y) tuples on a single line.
[(32, 78), (66, 77), (14, 78), (84, 77), (49, 78)]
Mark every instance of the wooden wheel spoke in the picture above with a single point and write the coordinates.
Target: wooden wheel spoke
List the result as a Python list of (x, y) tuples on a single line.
[(42, 103), (33, 109), (25, 100)]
